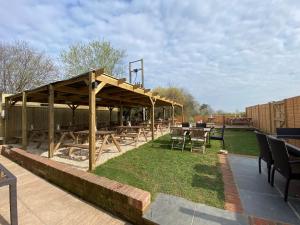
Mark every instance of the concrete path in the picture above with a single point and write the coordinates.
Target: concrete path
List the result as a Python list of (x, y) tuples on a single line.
[(258, 197), (41, 203)]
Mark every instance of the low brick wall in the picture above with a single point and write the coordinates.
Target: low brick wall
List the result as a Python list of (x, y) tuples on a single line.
[(120, 199)]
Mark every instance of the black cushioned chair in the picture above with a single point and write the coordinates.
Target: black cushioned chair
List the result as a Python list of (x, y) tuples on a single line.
[(264, 152), (201, 125), (290, 169), (219, 137), (185, 124)]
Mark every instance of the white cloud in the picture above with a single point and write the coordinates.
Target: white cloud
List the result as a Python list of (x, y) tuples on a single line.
[(229, 54)]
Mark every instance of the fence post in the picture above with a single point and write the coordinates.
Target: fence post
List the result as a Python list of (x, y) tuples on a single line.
[(270, 115), (285, 113)]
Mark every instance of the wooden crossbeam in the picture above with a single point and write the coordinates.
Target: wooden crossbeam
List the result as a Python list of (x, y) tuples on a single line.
[(99, 87), (122, 80)]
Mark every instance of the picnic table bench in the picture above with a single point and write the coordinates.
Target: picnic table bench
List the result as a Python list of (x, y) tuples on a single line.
[(102, 136)]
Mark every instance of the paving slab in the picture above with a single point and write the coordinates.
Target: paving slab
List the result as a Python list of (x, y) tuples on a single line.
[(258, 198), (168, 209)]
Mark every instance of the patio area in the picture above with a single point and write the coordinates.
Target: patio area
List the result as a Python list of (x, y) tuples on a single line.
[(42, 203), (262, 204)]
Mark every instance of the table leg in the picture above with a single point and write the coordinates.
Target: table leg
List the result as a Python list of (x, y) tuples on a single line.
[(103, 143), (116, 143), (59, 142), (13, 204), (145, 135), (42, 139)]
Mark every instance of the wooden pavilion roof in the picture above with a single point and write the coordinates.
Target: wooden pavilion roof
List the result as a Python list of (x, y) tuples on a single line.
[(115, 92)]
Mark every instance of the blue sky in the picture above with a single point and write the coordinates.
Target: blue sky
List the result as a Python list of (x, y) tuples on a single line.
[(229, 54)]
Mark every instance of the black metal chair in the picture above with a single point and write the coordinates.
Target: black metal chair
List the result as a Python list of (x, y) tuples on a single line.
[(201, 125), (185, 124), (264, 152), (219, 137), (288, 168)]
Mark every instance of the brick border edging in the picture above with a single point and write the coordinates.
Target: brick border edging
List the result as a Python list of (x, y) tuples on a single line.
[(120, 199), (232, 197)]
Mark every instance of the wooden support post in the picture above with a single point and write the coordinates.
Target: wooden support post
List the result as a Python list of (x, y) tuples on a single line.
[(1, 121), (152, 118), (92, 121), (51, 121), (110, 111), (182, 114), (6, 119), (121, 116), (164, 113), (24, 121), (173, 120)]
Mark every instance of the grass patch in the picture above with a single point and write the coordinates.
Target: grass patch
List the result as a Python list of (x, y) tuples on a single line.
[(156, 168), (241, 142)]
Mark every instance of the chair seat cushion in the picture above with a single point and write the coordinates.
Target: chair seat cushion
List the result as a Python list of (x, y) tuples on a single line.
[(216, 138), (177, 138), (197, 139)]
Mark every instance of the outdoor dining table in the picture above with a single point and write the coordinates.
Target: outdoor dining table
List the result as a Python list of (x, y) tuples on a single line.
[(141, 129), (103, 135), (41, 135), (7, 178)]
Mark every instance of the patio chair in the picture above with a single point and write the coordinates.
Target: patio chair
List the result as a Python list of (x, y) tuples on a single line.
[(185, 124), (219, 137), (201, 125), (198, 136), (264, 152), (177, 138), (290, 169)]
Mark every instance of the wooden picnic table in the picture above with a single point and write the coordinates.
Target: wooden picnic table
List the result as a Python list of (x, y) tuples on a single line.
[(41, 135), (157, 126), (126, 129), (100, 134)]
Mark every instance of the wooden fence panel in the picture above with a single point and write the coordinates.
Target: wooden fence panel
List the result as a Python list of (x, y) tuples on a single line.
[(37, 118), (268, 117)]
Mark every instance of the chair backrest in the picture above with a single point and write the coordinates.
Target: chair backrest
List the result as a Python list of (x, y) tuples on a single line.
[(288, 131), (185, 124), (223, 131), (197, 133), (201, 125), (280, 155), (264, 148), (176, 131)]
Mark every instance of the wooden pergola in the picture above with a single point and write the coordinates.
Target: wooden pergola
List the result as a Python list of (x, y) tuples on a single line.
[(92, 89)]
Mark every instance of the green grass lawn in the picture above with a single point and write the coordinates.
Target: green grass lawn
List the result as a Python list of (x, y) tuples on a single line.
[(156, 168), (241, 142)]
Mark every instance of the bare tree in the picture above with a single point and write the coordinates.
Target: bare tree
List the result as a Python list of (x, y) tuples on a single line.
[(80, 57), (22, 67)]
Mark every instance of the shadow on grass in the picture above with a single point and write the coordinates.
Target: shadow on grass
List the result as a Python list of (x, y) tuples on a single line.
[(209, 178)]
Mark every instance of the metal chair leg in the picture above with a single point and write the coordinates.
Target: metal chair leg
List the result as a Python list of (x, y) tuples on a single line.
[(269, 172), (272, 177), (259, 164), (286, 191)]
